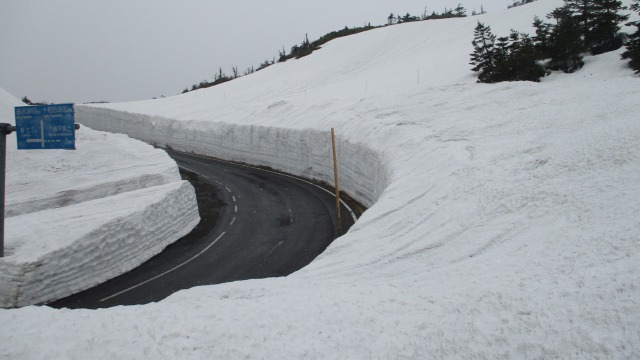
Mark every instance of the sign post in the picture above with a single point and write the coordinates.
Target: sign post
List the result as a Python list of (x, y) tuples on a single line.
[(5, 129), (37, 127)]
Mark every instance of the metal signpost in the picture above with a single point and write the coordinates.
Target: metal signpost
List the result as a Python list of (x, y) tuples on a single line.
[(37, 127)]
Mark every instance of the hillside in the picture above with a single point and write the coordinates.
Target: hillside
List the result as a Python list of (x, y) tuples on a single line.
[(503, 219)]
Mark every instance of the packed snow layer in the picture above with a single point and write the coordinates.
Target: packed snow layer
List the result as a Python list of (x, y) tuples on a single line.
[(74, 218), (306, 153), (508, 227), (103, 165), (102, 238)]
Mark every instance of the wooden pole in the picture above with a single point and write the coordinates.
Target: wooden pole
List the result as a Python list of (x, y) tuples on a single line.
[(335, 174)]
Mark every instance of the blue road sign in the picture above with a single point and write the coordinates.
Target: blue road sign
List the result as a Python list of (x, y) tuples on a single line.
[(45, 127)]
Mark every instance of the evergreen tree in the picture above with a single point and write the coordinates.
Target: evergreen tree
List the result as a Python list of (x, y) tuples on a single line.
[(542, 38), (565, 42), (633, 45), (514, 59), (409, 18), (483, 56), (424, 15), (599, 22), (282, 55), (460, 11), (605, 29), (501, 62), (522, 61), (583, 10)]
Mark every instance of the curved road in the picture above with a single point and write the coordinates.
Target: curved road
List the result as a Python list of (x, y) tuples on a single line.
[(255, 224)]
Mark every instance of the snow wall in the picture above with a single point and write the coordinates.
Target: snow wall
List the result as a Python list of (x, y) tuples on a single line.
[(134, 231), (302, 152), (75, 219)]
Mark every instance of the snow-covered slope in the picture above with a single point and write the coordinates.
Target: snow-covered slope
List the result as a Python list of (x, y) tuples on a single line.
[(73, 218), (504, 219)]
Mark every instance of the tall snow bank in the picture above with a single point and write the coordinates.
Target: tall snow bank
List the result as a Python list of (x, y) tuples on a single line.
[(304, 152), (77, 218), (38, 181), (508, 228), (100, 239)]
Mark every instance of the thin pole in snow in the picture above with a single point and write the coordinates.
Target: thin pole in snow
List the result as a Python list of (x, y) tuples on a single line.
[(335, 173), (5, 129)]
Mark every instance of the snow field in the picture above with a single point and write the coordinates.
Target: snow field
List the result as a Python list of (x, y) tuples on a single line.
[(504, 223)]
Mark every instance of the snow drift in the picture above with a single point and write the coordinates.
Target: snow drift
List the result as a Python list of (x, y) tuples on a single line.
[(505, 222), (74, 218)]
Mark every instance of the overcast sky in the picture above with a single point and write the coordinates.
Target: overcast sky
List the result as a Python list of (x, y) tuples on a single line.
[(123, 50)]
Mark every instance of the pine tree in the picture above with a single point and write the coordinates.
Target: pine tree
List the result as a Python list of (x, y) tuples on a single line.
[(501, 62), (542, 38), (483, 55), (515, 59), (523, 65), (460, 11), (605, 34), (566, 43), (600, 23), (582, 9), (407, 18), (424, 15), (282, 55), (633, 45)]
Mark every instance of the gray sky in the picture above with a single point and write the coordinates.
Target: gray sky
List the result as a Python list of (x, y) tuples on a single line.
[(123, 50)]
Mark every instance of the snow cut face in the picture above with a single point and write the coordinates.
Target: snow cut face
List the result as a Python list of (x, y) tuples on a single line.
[(307, 153), (77, 218), (504, 223)]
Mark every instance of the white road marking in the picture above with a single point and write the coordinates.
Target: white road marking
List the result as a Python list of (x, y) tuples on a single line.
[(236, 208), (353, 215), (193, 171), (274, 248), (168, 271), (232, 221), (234, 198), (229, 190)]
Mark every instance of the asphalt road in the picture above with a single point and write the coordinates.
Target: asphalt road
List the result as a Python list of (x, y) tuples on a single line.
[(255, 224)]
